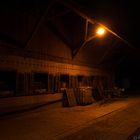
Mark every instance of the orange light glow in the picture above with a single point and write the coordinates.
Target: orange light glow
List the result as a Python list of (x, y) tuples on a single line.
[(100, 31)]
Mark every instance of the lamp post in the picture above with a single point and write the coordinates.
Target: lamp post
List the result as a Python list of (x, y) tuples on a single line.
[(99, 33)]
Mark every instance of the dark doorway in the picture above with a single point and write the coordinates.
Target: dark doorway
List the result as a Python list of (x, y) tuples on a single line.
[(7, 82)]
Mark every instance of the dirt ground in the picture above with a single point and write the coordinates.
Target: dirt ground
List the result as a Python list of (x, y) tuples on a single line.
[(120, 125), (117, 119)]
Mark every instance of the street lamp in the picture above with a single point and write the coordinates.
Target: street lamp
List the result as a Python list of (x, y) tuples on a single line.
[(100, 31)]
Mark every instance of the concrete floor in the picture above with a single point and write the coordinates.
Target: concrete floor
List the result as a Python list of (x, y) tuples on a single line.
[(116, 119)]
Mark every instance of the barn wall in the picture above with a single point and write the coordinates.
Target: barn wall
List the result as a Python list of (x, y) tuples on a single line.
[(48, 43), (45, 54)]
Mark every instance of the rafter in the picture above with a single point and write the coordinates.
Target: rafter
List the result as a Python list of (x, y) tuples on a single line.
[(40, 21), (77, 10), (58, 32), (86, 29), (86, 40), (80, 12)]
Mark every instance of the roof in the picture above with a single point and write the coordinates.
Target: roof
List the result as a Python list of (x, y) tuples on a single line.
[(71, 21)]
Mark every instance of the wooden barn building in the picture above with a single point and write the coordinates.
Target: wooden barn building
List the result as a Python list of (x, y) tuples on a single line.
[(50, 52)]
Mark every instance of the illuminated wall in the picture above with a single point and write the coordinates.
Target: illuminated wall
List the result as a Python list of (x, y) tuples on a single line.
[(46, 53), (23, 65)]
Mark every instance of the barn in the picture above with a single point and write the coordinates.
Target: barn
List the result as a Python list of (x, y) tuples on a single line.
[(51, 53)]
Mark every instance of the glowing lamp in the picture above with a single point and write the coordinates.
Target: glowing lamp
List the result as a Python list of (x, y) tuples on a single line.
[(100, 31)]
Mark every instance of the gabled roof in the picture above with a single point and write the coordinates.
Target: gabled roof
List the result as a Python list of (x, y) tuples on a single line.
[(71, 23)]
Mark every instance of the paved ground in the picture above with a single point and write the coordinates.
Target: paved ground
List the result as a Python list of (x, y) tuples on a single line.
[(115, 120)]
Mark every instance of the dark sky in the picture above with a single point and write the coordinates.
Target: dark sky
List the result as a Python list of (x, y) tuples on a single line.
[(121, 16)]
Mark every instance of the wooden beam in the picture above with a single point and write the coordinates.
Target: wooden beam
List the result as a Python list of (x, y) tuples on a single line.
[(40, 21), (58, 32), (77, 10), (75, 52), (86, 29), (81, 13), (83, 44)]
